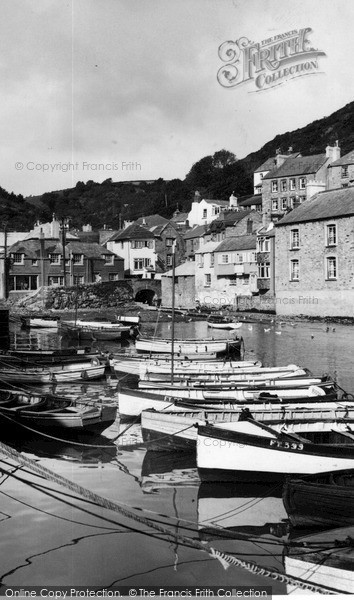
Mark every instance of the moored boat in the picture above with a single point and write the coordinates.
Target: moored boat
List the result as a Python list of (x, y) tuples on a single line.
[(249, 450), (176, 430), (320, 500), (53, 374), (40, 321), (91, 330), (188, 347), (62, 355), (134, 364), (222, 322), (234, 375), (48, 411)]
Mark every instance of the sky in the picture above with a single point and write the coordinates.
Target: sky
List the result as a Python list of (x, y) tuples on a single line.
[(128, 89)]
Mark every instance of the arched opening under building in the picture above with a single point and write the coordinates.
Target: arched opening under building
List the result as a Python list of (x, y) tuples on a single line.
[(145, 296)]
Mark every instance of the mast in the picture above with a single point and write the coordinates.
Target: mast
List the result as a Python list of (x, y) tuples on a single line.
[(173, 311)]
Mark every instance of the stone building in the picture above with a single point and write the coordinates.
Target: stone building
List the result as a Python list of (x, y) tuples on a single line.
[(314, 263), (184, 286), (296, 179), (194, 239), (266, 259), (341, 172)]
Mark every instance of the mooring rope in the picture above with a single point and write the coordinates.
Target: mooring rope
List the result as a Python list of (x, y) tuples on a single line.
[(225, 559)]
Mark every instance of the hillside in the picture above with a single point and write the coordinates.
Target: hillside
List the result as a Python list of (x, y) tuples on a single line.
[(214, 176)]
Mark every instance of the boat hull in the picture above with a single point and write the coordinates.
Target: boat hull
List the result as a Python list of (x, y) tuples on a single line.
[(225, 455)]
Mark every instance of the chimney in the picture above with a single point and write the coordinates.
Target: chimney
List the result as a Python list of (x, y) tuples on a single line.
[(314, 187), (280, 159), (333, 152), (233, 201), (197, 196)]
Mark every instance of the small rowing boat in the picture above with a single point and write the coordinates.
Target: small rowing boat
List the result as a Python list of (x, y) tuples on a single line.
[(52, 374), (187, 347)]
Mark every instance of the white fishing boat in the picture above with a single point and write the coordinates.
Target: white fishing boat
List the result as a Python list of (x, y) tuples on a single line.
[(133, 402), (129, 319), (251, 451), (137, 364), (188, 347), (170, 430), (234, 375), (324, 559), (40, 322), (54, 373), (243, 381), (95, 330), (222, 322)]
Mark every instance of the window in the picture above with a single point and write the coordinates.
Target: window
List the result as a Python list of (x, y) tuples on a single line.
[(264, 270), (137, 244), (169, 260), (294, 270), (294, 239), (23, 282), (18, 258), (344, 171), (205, 213), (216, 210), (302, 183), (78, 279), (253, 257), (239, 259), (169, 242), (263, 244), (275, 204), (302, 199), (55, 280), (212, 258), (113, 276), (34, 262), (78, 259), (284, 203), (292, 201), (283, 185), (292, 184), (274, 186), (108, 259), (141, 263), (331, 235), (331, 267), (224, 259), (207, 280), (54, 259)]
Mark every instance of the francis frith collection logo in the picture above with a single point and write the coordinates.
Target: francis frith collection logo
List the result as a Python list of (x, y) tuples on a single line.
[(268, 63)]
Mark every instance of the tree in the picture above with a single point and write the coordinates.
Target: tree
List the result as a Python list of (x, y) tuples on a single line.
[(222, 158)]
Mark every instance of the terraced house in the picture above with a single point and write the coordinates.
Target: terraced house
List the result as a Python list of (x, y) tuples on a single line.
[(295, 180), (136, 244), (314, 262)]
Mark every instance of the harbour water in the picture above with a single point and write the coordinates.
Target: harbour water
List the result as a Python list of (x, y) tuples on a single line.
[(53, 537)]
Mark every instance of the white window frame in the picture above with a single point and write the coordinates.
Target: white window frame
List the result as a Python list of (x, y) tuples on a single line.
[(284, 203), (113, 276), (205, 213), (295, 239), (344, 171), (225, 259), (55, 259), (108, 259), (295, 277), (302, 183), (275, 204), (330, 277), (292, 184), (78, 259), (283, 185), (18, 258), (207, 280), (330, 242), (275, 185), (263, 271)]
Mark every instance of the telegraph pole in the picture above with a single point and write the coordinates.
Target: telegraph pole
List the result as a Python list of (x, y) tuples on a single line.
[(64, 226)]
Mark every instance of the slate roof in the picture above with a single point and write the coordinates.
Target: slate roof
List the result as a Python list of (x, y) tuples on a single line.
[(89, 250), (271, 163), (183, 270), (196, 232), (347, 159), (208, 247), (239, 242), (31, 248), (180, 217), (151, 221), (132, 232), (325, 205), (253, 200), (301, 165), (218, 202)]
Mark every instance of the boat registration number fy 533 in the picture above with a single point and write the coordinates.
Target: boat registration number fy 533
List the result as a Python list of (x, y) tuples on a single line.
[(287, 445)]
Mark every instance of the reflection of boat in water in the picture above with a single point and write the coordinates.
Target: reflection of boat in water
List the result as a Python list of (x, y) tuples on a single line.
[(320, 500), (323, 559), (99, 450), (253, 508), (168, 470)]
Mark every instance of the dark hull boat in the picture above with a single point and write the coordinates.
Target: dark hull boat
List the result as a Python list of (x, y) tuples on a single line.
[(49, 357), (323, 500), (48, 412)]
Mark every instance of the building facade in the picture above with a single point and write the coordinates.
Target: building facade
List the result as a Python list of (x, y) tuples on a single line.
[(136, 245), (184, 286), (314, 263)]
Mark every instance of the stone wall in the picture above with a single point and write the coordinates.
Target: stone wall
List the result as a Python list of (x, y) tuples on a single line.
[(314, 294), (184, 291)]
